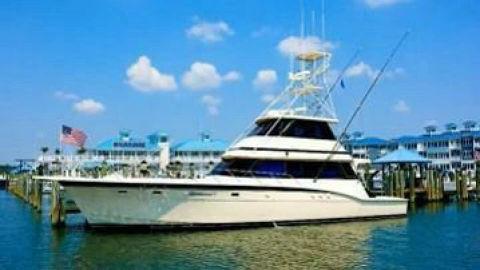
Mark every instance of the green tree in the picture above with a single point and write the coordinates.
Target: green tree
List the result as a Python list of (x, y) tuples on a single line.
[(44, 150), (81, 151)]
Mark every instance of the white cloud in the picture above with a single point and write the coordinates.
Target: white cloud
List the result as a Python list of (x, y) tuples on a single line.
[(391, 74), (209, 32), (401, 107), (65, 96), (211, 103), (145, 78), (382, 3), (202, 76), (265, 79), (88, 106), (361, 69), (232, 76), (293, 45)]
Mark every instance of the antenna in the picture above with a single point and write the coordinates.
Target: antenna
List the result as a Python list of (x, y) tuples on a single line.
[(323, 20), (302, 20), (313, 23)]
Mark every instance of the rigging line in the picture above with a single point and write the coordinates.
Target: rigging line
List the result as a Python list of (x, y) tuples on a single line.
[(369, 90), (338, 79)]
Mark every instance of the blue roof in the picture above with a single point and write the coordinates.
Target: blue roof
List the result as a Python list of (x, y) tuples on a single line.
[(401, 155), (367, 141), (124, 142), (201, 145), (407, 139)]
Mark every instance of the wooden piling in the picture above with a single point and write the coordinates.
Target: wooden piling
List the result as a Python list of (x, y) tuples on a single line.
[(396, 178), (442, 187), (57, 211), (37, 194), (427, 184), (412, 184), (464, 188), (457, 179), (477, 180), (461, 186), (402, 182), (391, 181)]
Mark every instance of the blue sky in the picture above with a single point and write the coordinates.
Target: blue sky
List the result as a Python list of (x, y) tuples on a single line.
[(181, 67)]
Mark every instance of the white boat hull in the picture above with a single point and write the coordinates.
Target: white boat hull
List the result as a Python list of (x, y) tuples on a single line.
[(190, 206)]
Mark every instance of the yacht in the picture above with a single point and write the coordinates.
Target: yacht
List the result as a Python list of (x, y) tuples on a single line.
[(289, 167)]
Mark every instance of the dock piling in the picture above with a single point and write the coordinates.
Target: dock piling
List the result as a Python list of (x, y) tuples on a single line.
[(57, 211), (412, 184), (477, 180)]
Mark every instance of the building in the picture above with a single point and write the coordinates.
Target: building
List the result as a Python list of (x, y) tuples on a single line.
[(450, 149), (125, 149), (195, 158), (189, 158)]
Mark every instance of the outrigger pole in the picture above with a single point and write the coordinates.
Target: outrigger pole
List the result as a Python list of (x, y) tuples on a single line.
[(370, 88)]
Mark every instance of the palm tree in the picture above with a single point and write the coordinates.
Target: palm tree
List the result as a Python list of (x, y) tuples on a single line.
[(44, 149), (57, 151), (81, 151)]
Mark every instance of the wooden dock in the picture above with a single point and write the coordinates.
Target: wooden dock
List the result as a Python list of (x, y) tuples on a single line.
[(430, 186), (30, 190)]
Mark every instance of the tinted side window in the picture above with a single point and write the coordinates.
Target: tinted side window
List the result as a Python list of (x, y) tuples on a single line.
[(284, 169), (294, 128)]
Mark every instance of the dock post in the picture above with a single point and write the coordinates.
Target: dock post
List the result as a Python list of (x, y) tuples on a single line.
[(456, 176), (432, 184), (37, 194), (477, 180), (412, 184), (442, 186), (435, 186), (57, 211), (24, 195), (402, 182), (460, 185), (464, 187), (396, 181), (391, 181), (427, 186)]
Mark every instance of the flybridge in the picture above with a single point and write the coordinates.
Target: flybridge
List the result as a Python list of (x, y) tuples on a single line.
[(307, 93)]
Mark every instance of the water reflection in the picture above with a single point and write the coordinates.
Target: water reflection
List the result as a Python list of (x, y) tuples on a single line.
[(331, 246)]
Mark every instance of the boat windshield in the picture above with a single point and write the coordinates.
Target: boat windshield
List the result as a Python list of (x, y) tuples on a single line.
[(294, 128), (284, 169)]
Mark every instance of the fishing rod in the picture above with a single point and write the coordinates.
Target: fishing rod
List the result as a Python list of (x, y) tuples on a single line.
[(369, 90)]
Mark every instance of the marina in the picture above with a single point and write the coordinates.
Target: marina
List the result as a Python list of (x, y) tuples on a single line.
[(230, 135), (420, 240)]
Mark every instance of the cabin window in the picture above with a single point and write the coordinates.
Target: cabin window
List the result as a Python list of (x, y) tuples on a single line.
[(293, 128), (284, 169)]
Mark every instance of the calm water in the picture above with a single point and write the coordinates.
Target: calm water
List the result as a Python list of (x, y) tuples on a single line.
[(434, 236)]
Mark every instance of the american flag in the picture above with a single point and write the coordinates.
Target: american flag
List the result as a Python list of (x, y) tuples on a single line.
[(72, 136)]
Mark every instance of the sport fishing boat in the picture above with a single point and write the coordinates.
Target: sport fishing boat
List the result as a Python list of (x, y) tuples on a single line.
[(288, 168)]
